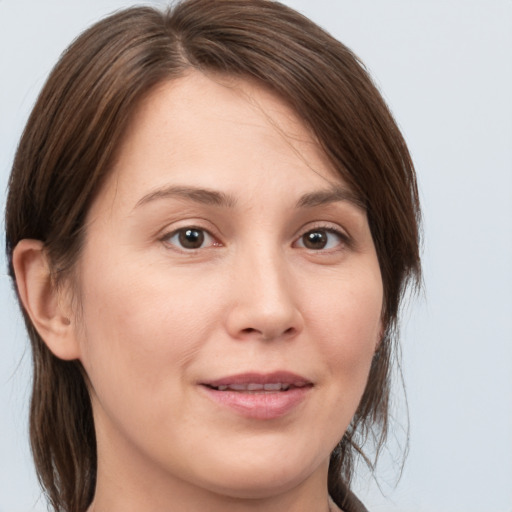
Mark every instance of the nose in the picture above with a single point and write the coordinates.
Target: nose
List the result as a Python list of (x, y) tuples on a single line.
[(265, 304)]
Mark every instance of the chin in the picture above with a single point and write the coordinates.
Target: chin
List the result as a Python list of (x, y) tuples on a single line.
[(256, 487), (264, 479)]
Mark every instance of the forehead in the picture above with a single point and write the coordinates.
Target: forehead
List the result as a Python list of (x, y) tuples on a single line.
[(216, 131)]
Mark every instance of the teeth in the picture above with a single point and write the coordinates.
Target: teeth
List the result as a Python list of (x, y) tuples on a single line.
[(273, 387), (238, 387), (253, 386)]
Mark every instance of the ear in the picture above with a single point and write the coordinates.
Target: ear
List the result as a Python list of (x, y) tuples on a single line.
[(48, 308)]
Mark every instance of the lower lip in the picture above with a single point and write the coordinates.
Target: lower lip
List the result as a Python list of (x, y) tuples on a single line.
[(261, 405)]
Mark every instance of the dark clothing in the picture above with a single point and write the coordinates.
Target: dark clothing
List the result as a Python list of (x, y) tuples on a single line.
[(351, 503)]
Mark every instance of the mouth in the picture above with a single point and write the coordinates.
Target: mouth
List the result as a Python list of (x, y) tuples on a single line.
[(254, 387), (259, 382), (259, 396)]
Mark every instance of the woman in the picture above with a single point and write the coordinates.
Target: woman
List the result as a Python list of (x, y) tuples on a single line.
[(211, 221)]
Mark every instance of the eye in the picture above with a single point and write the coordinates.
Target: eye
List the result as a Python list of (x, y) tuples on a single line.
[(190, 238), (321, 239)]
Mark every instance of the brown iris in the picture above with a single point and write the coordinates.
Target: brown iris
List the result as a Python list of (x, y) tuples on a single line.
[(191, 238), (315, 239)]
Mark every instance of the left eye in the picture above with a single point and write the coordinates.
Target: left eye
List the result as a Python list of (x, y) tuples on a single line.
[(320, 239), (190, 238)]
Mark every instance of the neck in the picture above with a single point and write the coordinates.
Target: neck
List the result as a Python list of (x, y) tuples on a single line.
[(327, 505), (133, 491), (331, 507), (128, 481)]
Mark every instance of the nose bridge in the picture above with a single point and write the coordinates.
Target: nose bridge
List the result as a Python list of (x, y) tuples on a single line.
[(265, 304)]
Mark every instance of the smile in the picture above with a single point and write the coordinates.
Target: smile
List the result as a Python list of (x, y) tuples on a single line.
[(259, 396), (256, 387)]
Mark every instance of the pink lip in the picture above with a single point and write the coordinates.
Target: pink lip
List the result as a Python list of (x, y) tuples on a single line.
[(261, 405)]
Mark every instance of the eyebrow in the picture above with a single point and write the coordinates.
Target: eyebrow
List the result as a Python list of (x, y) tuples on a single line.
[(216, 198), (333, 194), (196, 194)]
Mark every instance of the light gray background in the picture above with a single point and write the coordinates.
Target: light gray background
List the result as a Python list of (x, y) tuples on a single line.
[(445, 68)]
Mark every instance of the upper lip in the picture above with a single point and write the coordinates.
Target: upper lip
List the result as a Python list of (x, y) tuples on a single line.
[(281, 377)]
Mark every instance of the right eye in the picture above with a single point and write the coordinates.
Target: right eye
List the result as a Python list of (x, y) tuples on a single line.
[(190, 238)]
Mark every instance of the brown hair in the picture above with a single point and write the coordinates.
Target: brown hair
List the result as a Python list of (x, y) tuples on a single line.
[(77, 124)]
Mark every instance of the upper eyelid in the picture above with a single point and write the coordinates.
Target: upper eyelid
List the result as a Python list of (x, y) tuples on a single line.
[(167, 235), (325, 225), (346, 240), (333, 230), (197, 223)]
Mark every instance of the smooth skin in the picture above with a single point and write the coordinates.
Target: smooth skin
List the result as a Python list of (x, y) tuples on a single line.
[(222, 242)]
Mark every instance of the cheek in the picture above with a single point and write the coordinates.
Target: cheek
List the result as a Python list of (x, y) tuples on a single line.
[(348, 315), (140, 332)]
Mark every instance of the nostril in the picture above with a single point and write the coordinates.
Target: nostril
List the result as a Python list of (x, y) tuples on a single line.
[(268, 335)]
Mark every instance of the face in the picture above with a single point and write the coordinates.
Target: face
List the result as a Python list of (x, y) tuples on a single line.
[(230, 296)]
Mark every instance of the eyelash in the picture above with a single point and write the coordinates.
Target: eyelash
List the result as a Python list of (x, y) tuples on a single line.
[(343, 238), (204, 233)]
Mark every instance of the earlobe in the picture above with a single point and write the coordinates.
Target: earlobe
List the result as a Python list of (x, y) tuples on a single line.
[(43, 301)]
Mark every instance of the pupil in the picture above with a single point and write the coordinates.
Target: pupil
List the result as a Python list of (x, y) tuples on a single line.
[(315, 239), (191, 238)]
